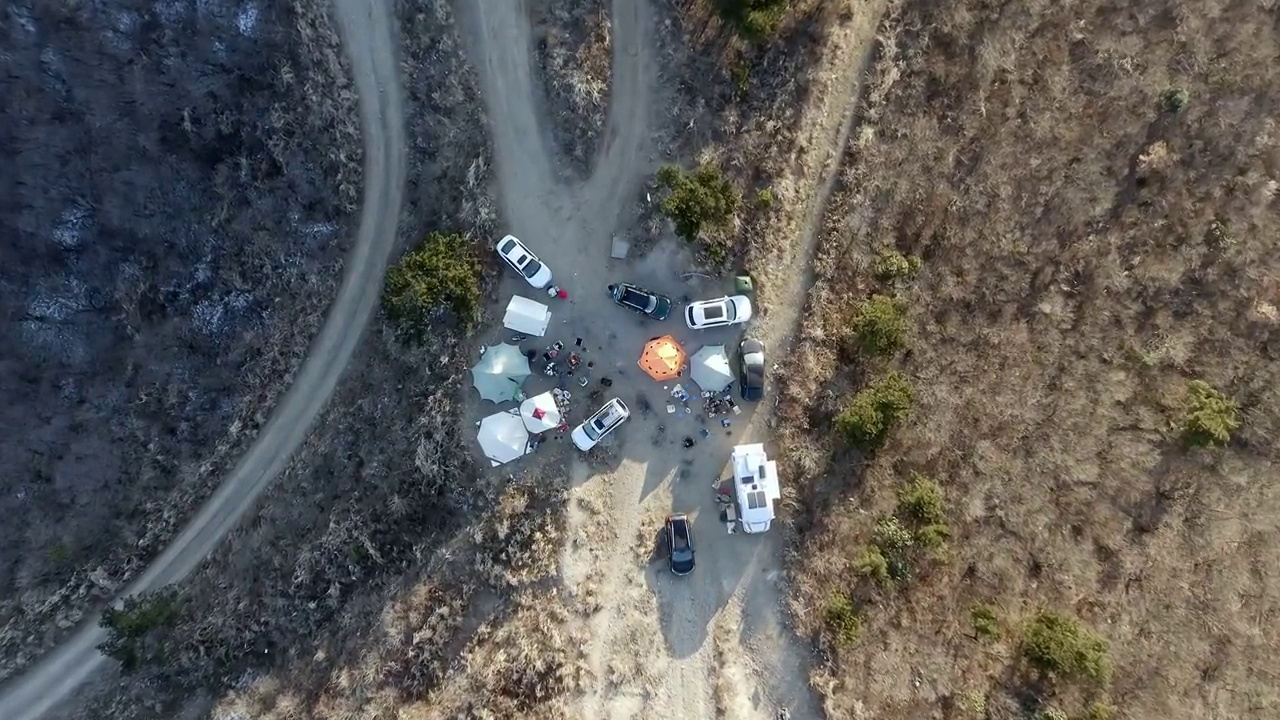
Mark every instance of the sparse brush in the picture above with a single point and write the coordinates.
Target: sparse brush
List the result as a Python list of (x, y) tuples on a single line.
[(879, 326), (892, 266), (1058, 645), (843, 619), (973, 702), (1099, 710), (764, 198), (874, 409), (1210, 416)]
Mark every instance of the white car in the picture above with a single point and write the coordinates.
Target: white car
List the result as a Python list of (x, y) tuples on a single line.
[(525, 262), (601, 423), (723, 311)]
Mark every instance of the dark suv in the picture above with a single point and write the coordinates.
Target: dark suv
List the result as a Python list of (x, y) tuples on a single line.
[(680, 543), (640, 300)]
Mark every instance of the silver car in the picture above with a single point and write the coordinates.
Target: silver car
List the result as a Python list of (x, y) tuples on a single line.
[(601, 423)]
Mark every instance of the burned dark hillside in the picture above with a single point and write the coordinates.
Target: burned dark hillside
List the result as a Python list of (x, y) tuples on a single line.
[(178, 181)]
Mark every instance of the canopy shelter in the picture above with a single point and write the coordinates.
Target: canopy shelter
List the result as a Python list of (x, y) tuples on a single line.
[(500, 373), (709, 367), (527, 316), (662, 358), (502, 437), (540, 413)]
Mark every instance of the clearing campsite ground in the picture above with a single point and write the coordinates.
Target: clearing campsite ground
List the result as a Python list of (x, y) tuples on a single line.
[(714, 643), (1092, 190)]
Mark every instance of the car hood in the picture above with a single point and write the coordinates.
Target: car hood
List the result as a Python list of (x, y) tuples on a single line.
[(580, 439)]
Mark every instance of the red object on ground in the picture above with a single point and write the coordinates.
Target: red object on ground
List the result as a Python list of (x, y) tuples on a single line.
[(563, 294)]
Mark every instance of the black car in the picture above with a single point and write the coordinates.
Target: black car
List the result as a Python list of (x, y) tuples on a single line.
[(680, 543), (751, 369), (642, 301)]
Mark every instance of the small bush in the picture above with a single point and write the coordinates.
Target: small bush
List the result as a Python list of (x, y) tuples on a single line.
[(880, 326), (843, 620), (753, 19), (1051, 714), (892, 266), (872, 563), (974, 702), (442, 271), (1174, 100), (874, 410), (764, 198), (129, 627), (701, 200), (984, 620), (921, 501), (1059, 645), (1210, 416)]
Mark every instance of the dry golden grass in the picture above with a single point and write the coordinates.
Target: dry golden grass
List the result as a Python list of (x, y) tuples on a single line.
[(1086, 253)]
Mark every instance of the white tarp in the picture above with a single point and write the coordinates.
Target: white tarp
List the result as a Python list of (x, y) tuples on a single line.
[(540, 413), (502, 437), (527, 316), (755, 484)]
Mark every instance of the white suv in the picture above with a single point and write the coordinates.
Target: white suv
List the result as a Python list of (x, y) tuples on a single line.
[(601, 423), (524, 261), (723, 311)]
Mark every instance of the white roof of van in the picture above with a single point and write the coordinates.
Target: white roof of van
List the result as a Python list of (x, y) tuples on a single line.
[(755, 482)]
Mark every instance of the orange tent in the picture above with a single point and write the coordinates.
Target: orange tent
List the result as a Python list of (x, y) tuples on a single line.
[(662, 358)]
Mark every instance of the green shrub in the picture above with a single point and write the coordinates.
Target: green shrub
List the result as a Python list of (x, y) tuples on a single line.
[(874, 410), (921, 501), (879, 326), (129, 627), (1051, 714), (1210, 416), (1059, 645), (933, 537), (441, 272), (1174, 100), (891, 266), (984, 620), (843, 620), (696, 201), (872, 563), (753, 19)]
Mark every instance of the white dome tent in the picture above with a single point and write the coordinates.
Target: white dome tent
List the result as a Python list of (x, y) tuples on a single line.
[(709, 368)]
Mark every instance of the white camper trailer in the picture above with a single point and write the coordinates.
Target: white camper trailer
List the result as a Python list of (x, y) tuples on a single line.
[(755, 486)]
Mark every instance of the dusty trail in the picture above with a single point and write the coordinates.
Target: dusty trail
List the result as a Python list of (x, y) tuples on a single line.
[(368, 33)]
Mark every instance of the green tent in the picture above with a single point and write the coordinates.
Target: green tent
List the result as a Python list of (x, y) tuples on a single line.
[(500, 373)]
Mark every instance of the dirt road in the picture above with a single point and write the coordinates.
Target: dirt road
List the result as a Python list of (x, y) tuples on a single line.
[(367, 28), (712, 644)]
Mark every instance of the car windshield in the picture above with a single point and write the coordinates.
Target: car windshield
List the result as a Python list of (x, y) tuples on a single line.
[(531, 268), (508, 246)]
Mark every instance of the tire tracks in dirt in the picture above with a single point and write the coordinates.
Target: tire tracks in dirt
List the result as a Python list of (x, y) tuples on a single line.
[(367, 28)]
